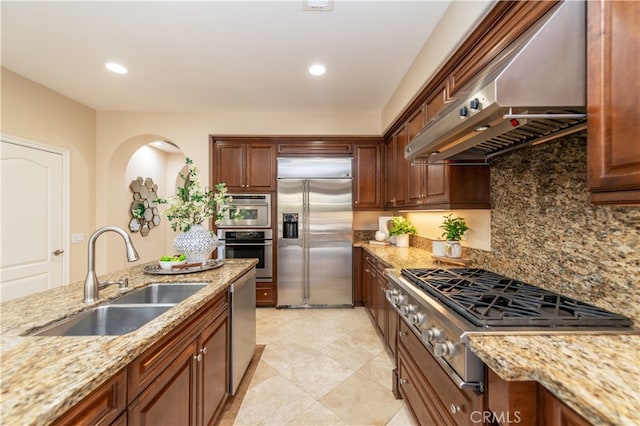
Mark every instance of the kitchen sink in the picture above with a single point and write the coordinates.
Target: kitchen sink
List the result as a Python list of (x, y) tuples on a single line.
[(106, 320), (159, 293)]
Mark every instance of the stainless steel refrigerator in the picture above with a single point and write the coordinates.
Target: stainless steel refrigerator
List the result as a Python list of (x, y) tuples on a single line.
[(314, 232)]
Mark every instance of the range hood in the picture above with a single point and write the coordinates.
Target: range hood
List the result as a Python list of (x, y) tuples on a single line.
[(535, 90)]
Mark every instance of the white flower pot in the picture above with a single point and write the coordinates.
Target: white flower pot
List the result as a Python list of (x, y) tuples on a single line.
[(197, 244), (402, 240)]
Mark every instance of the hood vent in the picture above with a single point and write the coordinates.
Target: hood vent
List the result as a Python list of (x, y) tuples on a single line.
[(534, 91)]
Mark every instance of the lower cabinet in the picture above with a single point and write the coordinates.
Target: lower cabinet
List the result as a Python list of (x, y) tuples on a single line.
[(527, 403), (181, 380), (265, 294), (192, 386), (430, 394)]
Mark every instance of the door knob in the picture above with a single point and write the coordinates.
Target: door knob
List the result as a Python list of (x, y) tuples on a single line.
[(57, 252)]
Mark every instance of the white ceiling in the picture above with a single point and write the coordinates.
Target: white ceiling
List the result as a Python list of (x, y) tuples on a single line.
[(205, 56)]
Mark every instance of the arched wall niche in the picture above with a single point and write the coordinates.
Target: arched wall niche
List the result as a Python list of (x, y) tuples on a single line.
[(132, 158)]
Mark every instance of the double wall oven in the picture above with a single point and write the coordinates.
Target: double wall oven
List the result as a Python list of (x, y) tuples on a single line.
[(250, 236)]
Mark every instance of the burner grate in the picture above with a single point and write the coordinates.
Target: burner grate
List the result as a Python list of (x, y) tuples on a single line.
[(489, 299)]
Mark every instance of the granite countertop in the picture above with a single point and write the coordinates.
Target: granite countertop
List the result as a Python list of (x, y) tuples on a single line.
[(596, 375), (42, 377)]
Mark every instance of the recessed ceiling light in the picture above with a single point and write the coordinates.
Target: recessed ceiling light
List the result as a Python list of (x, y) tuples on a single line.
[(318, 5), (117, 68), (317, 69)]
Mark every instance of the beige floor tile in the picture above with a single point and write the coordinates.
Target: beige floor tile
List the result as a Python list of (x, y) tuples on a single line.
[(320, 367), (402, 418), (361, 401), (275, 401), (380, 370)]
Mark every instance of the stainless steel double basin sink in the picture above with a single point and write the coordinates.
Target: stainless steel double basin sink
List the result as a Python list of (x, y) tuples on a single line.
[(125, 313)]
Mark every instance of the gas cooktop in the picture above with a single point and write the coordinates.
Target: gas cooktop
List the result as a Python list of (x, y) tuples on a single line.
[(487, 299)]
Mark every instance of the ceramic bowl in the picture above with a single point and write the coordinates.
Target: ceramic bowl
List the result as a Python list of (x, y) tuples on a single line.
[(168, 265)]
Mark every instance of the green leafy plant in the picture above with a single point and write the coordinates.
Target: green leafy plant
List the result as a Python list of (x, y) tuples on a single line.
[(454, 227), (176, 258), (193, 204), (401, 226)]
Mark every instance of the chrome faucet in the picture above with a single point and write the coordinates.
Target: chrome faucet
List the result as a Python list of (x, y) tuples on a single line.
[(91, 281)]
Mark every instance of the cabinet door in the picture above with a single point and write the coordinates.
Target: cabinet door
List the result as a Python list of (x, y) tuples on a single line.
[(368, 280), (358, 273), (401, 168), (265, 294), (214, 365), (382, 310), (417, 173), (171, 399), (557, 413), (390, 172), (229, 165), (260, 167), (367, 182), (102, 406), (612, 90)]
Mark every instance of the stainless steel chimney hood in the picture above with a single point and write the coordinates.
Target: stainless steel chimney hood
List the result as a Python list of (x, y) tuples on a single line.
[(533, 91)]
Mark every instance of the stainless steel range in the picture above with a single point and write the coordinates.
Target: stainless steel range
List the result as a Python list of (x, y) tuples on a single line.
[(445, 306)]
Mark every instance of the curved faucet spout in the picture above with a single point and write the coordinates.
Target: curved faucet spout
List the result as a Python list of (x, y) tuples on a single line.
[(91, 281)]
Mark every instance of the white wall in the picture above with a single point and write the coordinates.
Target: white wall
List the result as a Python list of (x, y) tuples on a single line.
[(458, 21)]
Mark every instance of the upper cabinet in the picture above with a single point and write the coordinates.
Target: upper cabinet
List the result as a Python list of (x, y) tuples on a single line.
[(245, 166), (613, 53), (368, 174)]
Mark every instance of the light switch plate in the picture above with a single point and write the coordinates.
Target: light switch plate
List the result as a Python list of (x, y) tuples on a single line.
[(77, 238)]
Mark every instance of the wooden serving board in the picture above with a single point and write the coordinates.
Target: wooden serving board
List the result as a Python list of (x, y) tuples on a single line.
[(463, 261)]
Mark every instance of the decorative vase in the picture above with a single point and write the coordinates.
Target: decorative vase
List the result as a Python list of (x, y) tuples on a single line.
[(402, 240), (453, 249), (197, 244)]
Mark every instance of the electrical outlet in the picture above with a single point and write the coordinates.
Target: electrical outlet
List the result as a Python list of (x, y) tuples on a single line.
[(77, 238)]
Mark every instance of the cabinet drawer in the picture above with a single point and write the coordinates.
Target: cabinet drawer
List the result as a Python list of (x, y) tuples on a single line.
[(265, 296), (102, 406)]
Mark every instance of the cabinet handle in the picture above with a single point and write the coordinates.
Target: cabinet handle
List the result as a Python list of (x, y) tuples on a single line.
[(454, 409), (57, 252), (403, 333), (204, 350), (404, 381), (197, 357)]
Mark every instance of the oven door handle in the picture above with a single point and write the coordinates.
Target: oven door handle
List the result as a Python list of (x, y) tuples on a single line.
[(266, 243)]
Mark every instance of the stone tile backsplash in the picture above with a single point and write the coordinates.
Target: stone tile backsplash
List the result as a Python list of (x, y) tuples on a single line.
[(545, 231)]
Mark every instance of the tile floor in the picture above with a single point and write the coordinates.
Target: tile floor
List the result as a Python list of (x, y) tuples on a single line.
[(320, 367)]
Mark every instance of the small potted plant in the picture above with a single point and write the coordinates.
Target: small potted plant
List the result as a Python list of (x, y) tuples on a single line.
[(454, 228), (401, 229)]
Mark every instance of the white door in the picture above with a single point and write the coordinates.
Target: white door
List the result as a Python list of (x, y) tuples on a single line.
[(32, 218)]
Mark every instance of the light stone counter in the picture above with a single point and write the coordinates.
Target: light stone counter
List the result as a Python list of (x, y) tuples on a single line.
[(596, 375), (42, 377)]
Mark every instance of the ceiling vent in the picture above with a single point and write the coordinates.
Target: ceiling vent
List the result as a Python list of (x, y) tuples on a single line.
[(317, 5)]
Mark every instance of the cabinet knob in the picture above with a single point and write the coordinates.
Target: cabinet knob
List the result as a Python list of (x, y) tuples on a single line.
[(57, 252), (204, 350), (403, 333), (404, 381), (265, 293), (355, 202), (454, 409), (197, 357)]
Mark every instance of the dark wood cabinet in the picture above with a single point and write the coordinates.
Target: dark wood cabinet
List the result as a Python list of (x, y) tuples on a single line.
[(417, 173), (381, 310), (368, 282), (396, 181), (244, 166), (265, 294), (213, 378), (431, 396), (527, 403), (358, 273), (368, 174), (613, 61), (102, 406), (171, 399)]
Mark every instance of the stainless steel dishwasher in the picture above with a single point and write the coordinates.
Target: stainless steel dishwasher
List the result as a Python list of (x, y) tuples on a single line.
[(243, 327)]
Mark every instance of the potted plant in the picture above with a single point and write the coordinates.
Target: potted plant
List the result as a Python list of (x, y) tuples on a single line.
[(454, 228), (401, 229), (191, 206)]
